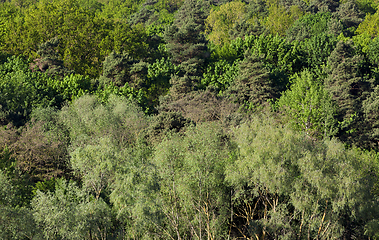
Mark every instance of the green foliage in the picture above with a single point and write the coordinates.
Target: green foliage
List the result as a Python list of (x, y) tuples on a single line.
[(22, 90), (279, 18), (187, 45), (15, 222), (253, 84), (118, 9), (222, 19), (71, 86), (50, 60), (368, 6), (370, 107), (158, 79), (311, 25), (281, 57), (220, 74), (350, 15), (231, 51), (134, 192), (70, 213), (79, 29), (85, 38), (95, 163), (308, 106), (126, 39), (288, 186), (193, 197), (38, 155), (164, 124), (88, 120), (348, 88), (136, 80), (116, 69), (202, 167), (369, 25)]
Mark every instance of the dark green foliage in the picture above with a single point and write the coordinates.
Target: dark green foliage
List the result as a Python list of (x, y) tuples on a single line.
[(253, 84), (145, 13), (246, 28), (49, 59), (370, 109), (136, 80), (188, 46), (204, 106), (323, 5), (15, 222), (163, 124), (158, 79), (116, 69), (350, 16), (185, 37), (347, 87)]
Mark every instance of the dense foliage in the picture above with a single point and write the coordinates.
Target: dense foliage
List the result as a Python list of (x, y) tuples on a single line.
[(189, 119)]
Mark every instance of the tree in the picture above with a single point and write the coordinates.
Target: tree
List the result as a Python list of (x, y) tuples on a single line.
[(253, 84), (308, 106), (192, 196), (220, 21), (279, 19), (188, 46), (96, 165), (350, 16), (49, 60), (16, 222), (88, 120), (370, 106), (22, 90), (70, 213), (286, 185), (347, 88), (39, 156), (370, 25), (116, 69)]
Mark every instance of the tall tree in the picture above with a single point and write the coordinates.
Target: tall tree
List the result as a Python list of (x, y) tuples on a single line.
[(347, 87), (253, 85), (188, 46)]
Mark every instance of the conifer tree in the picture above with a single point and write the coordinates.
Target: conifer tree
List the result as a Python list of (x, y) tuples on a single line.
[(350, 16), (371, 114), (188, 46), (116, 69), (50, 60), (253, 83), (347, 87)]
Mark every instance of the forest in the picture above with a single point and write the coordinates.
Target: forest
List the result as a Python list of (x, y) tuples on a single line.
[(189, 119)]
